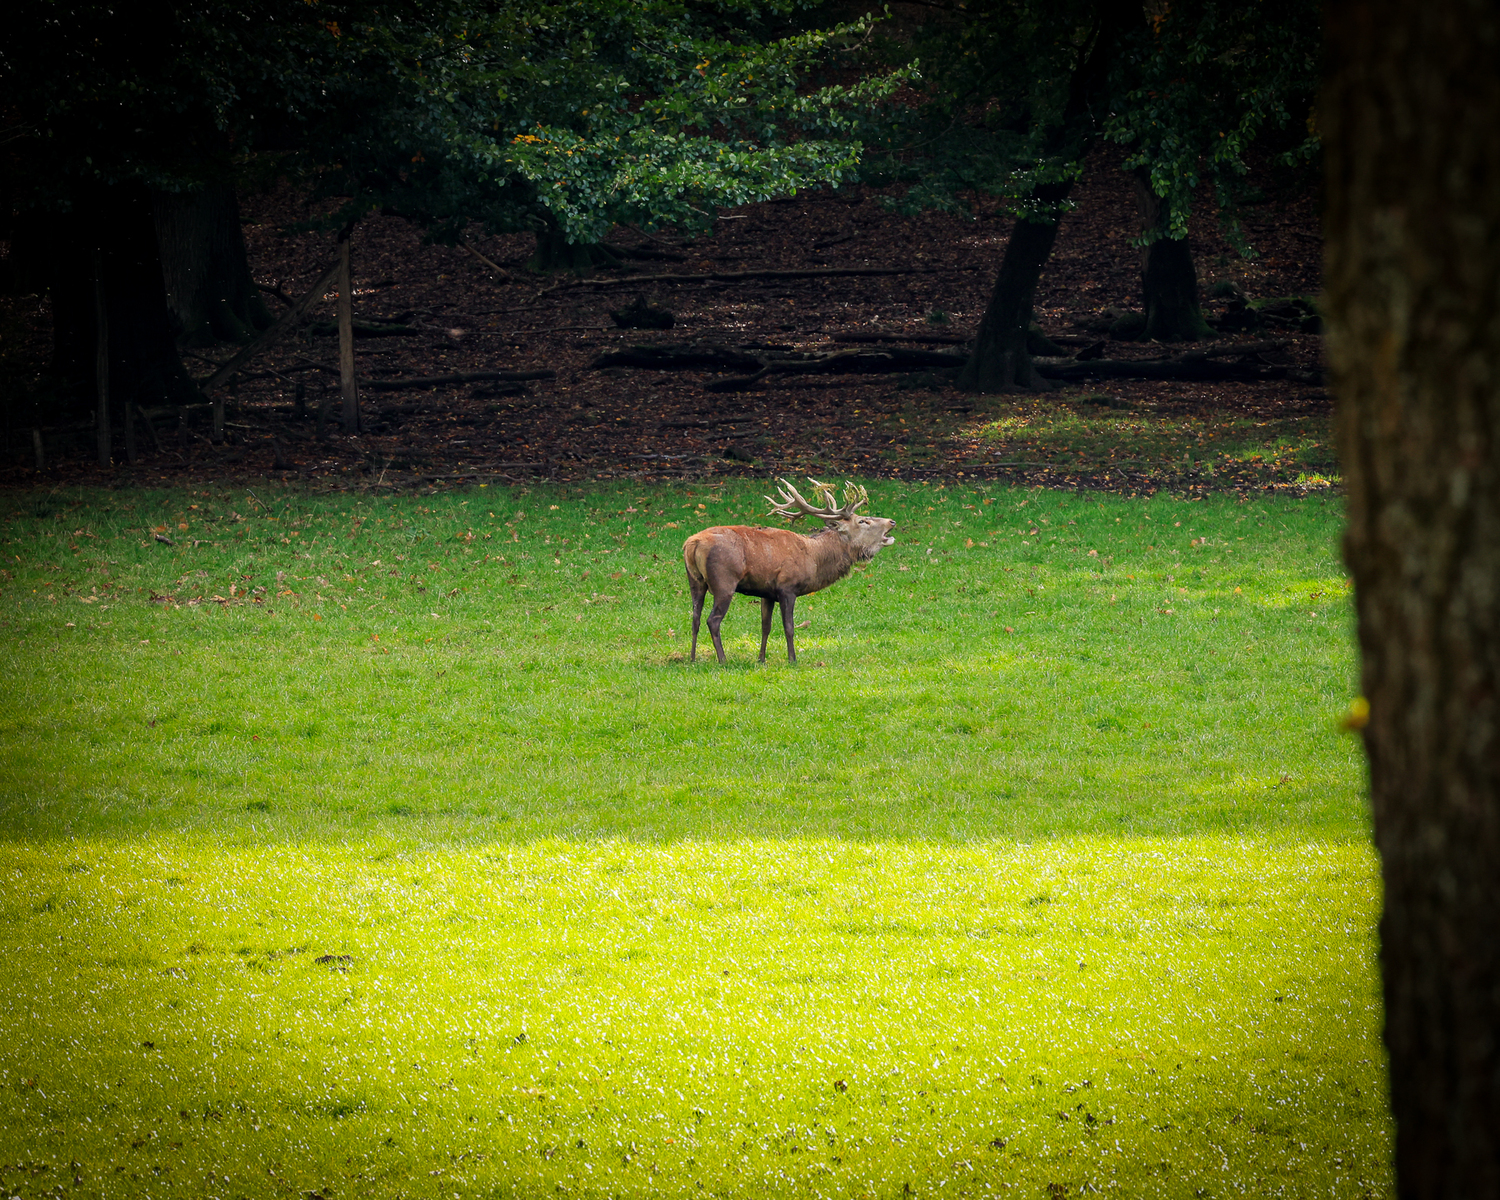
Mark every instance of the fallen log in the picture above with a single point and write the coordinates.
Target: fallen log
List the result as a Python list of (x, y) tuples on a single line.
[(846, 362), (1199, 366), (931, 339), (428, 381), (680, 358), (735, 276), (366, 329), (500, 271), (1192, 370), (644, 253), (1229, 349)]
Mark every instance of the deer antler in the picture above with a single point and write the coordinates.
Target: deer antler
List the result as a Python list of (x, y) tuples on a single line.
[(824, 490), (792, 506)]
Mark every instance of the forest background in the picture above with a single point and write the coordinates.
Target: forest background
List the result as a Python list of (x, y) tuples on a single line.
[(898, 185)]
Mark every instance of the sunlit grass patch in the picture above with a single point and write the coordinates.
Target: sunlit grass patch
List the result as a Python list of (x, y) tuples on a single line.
[(1099, 431), (792, 1017)]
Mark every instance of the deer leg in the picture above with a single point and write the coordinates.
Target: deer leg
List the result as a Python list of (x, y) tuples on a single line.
[(767, 607), (788, 605), (699, 589), (715, 619)]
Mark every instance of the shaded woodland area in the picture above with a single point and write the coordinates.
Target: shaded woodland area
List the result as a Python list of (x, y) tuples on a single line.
[(430, 311), (822, 237)]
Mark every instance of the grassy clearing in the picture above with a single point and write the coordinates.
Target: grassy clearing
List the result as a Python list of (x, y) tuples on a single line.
[(1094, 431), (1045, 869)]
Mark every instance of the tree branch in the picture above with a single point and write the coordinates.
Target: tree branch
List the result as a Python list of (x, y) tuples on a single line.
[(489, 262), (273, 334)]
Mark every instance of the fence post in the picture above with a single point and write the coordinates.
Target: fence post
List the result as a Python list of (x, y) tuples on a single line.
[(101, 362), (347, 381)]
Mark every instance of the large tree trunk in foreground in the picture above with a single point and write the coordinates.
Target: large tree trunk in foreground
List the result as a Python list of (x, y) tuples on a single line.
[(1169, 282), (999, 361), (1411, 113), (144, 366), (210, 293)]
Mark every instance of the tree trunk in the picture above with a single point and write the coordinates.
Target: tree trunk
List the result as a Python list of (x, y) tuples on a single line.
[(1411, 116), (555, 253), (999, 361), (210, 293), (1169, 283), (144, 367)]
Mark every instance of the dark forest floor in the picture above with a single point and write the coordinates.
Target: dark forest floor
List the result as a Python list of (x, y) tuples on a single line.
[(587, 423)]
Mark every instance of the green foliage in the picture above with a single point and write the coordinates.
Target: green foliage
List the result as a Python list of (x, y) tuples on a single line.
[(554, 115), (1199, 87), (389, 846), (1013, 99), (991, 116)]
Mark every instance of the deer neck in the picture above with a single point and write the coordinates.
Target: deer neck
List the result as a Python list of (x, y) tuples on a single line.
[(833, 555)]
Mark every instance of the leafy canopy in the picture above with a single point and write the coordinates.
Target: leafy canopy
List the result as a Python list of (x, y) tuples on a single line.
[(1196, 87), (1187, 86), (554, 115)]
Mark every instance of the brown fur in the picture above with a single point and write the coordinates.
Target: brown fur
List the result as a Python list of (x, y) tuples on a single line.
[(775, 565)]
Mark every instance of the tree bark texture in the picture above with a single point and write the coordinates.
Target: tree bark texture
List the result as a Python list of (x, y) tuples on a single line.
[(1169, 281), (144, 366), (1411, 117), (210, 293), (999, 361)]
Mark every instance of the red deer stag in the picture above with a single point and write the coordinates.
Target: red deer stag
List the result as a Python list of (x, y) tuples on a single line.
[(778, 565)]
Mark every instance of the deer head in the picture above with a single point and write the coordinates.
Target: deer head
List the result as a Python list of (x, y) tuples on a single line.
[(866, 535)]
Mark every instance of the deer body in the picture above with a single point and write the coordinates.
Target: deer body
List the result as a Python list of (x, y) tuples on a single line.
[(777, 565)]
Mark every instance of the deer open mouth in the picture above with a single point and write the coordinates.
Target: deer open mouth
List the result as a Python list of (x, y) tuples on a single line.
[(889, 541)]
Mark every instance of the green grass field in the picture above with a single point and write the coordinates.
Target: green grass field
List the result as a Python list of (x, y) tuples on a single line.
[(373, 846)]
